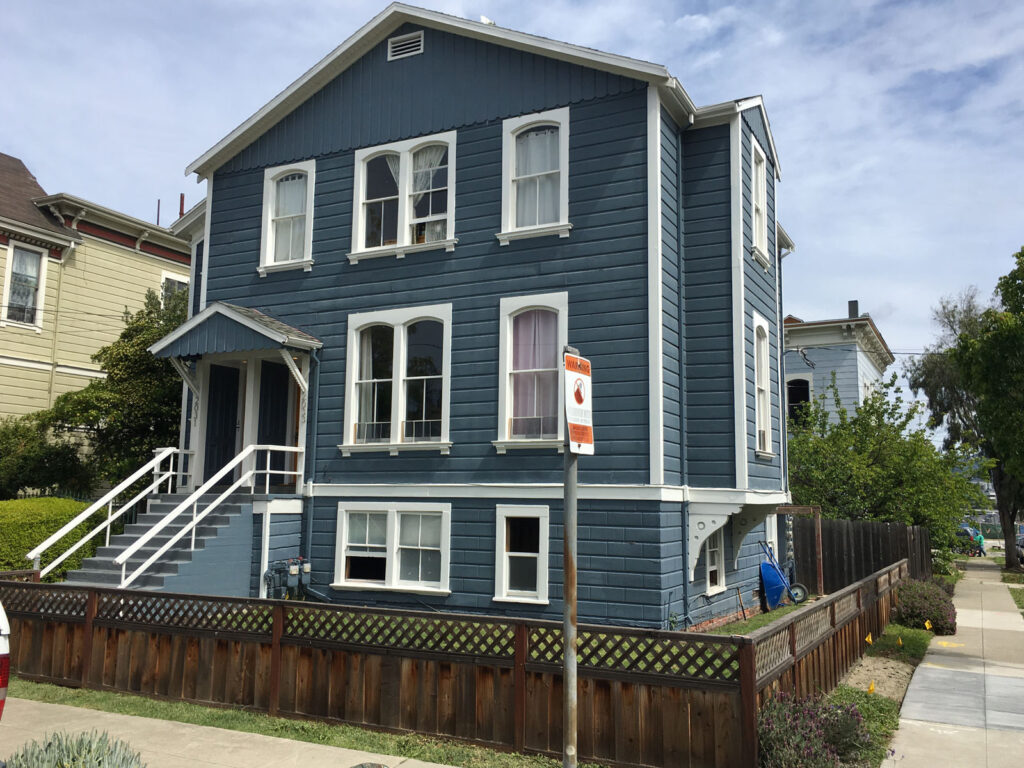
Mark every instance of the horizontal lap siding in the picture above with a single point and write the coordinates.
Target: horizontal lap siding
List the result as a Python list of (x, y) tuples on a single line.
[(840, 360), (671, 297), (760, 297), (629, 558), (602, 265), (285, 543), (707, 302)]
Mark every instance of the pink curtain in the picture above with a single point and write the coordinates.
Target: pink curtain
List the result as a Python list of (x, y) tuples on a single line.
[(535, 368)]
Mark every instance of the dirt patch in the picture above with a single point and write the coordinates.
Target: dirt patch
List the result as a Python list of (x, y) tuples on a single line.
[(891, 677)]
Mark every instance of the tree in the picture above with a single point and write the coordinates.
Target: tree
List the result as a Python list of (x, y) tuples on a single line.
[(31, 458), (874, 464), (137, 407), (990, 361)]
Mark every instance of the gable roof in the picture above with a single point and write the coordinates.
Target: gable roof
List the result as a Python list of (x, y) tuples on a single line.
[(676, 100), (223, 327), (18, 188)]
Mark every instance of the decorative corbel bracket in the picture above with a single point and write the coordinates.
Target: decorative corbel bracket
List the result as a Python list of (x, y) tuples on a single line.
[(702, 520), (143, 236), (749, 517), (300, 380), (186, 376)]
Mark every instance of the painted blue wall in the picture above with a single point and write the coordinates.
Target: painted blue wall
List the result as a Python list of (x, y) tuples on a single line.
[(602, 265), (672, 279), (707, 308), (222, 565), (285, 543), (760, 296), (842, 359)]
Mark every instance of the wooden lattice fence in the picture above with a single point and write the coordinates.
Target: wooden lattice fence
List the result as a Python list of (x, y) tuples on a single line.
[(646, 698)]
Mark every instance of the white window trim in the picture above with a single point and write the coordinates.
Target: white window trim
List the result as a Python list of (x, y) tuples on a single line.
[(763, 419), (501, 593), (759, 196), (176, 277), (406, 149), (509, 129), (510, 306), (719, 537), (396, 318), (393, 510), (44, 257), (270, 176), (771, 534)]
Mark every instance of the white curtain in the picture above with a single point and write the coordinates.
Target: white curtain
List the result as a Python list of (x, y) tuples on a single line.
[(289, 234), (394, 161), (424, 163), (537, 159), (24, 285), (535, 348)]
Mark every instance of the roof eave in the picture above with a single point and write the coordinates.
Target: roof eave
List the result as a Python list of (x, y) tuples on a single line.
[(122, 222), (371, 33), (39, 233)]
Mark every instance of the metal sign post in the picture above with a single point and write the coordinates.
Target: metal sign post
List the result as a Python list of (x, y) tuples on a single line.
[(579, 437)]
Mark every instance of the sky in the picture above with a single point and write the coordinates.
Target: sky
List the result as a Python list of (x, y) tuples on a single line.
[(899, 125)]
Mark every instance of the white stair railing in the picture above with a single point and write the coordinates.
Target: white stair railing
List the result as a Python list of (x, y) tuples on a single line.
[(248, 476), (160, 476)]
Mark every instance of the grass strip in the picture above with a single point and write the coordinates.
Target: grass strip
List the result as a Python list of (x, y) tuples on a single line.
[(881, 719), (754, 622), (1013, 576), (411, 745), (913, 648), (1018, 598)]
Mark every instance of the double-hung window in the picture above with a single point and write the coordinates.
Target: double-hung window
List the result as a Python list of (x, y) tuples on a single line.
[(287, 241), (401, 546), (23, 285), (532, 334), (535, 175), (521, 554), (759, 203), (404, 197), (762, 392), (714, 561), (171, 284), (398, 387)]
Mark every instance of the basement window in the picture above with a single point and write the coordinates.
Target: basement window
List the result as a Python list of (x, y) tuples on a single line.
[(404, 46)]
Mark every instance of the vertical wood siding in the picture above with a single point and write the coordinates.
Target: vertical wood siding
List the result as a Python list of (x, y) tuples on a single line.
[(759, 296), (707, 313)]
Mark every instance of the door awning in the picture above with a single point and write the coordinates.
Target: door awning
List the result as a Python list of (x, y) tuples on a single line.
[(223, 327)]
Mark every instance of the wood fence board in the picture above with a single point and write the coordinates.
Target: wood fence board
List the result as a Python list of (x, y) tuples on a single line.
[(390, 692), (675, 727), (585, 715), (289, 664), (303, 681), (445, 698), (371, 688), (651, 747), (483, 709), (426, 699), (409, 675)]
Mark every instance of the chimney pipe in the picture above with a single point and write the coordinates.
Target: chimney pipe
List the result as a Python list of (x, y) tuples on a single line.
[(158, 212), (181, 205), (853, 308)]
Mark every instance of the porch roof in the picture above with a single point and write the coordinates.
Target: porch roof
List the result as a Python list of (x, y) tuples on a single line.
[(223, 327)]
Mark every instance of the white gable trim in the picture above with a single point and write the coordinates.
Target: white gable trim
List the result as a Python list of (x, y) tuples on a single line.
[(655, 351), (739, 379)]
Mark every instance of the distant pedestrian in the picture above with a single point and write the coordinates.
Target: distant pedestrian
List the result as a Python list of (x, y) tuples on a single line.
[(979, 541)]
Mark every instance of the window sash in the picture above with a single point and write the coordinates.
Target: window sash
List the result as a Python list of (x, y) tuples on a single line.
[(23, 294), (405, 545)]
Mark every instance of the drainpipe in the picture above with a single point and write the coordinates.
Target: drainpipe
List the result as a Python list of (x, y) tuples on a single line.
[(313, 403)]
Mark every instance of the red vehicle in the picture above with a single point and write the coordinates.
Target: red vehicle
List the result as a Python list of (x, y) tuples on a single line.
[(5, 658)]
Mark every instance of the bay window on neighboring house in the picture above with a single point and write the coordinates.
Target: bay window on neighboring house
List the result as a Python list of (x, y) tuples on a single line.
[(398, 388), (404, 198), (24, 283), (535, 176), (521, 554), (532, 335), (401, 546), (287, 240), (762, 392)]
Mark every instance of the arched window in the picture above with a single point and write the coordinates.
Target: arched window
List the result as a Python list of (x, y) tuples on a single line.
[(534, 375), (380, 196), (762, 401), (287, 217)]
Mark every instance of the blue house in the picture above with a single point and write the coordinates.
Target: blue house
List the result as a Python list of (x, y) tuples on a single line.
[(850, 348), (393, 253)]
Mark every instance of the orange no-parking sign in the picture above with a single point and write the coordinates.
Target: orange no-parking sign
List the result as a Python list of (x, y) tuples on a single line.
[(578, 405)]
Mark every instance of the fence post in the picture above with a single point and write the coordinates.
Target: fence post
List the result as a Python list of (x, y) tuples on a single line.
[(519, 682), (275, 660), (748, 703), (792, 655), (90, 616)]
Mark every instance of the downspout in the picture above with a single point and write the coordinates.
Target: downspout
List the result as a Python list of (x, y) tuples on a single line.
[(68, 252)]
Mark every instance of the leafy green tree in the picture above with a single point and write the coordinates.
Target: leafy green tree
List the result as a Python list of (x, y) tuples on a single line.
[(876, 464), (990, 362), (137, 407), (32, 458)]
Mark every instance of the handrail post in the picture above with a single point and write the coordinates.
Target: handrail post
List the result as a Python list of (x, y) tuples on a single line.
[(748, 702), (519, 681), (266, 479), (195, 506), (110, 512), (792, 654)]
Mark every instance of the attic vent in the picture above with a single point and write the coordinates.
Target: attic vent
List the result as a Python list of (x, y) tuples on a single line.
[(405, 45)]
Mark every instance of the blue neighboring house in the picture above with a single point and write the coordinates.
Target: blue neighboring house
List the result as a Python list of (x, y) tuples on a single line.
[(851, 348), (393, 253)]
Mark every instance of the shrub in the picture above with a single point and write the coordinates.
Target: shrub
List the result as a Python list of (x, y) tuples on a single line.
[(32, 458), (944, 584), (25, 523), (81, 750), (921, 601), (944, 562)]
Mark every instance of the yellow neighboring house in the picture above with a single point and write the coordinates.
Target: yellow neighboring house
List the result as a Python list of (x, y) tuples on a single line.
[(69, 269)]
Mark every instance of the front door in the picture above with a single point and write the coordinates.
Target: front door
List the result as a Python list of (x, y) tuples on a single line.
[(221, 419), (273, 417)]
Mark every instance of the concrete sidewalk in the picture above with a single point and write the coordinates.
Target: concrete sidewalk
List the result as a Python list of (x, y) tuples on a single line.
[(166, 744), (965, 704)]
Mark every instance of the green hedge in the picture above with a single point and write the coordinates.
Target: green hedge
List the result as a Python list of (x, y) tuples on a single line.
[(26, 523)]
